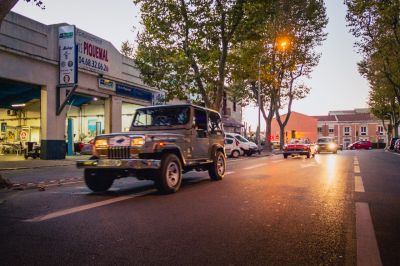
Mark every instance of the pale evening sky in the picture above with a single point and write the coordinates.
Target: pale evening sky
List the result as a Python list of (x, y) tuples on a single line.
[(336, 84)]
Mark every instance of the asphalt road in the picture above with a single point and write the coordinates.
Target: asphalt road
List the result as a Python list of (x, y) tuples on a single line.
[(266, 211)]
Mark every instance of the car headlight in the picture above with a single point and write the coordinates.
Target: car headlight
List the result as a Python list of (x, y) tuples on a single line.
[(137, 141), (101, 143), (332, 146)]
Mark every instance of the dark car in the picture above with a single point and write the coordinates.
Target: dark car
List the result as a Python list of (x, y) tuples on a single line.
[(327, 144), (396, 146), (392, 142), (360, 145)]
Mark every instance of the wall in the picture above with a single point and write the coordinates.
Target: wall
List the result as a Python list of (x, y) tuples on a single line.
[(305, 126)]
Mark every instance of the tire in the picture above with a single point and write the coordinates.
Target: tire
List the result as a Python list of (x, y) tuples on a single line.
[(249, 153), (98, 181), (218, 167), (235, 154), (308, 155), (168, 178), (334, 152), (285, 156)]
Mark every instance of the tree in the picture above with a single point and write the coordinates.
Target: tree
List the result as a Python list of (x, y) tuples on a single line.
[(7, 5), (376, 25), (185, 45), (127, 49)]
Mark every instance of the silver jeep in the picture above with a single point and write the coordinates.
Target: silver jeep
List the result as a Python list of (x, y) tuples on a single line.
[(163, 143)]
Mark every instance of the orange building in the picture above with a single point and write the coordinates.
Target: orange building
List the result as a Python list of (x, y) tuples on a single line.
[(299, 126)]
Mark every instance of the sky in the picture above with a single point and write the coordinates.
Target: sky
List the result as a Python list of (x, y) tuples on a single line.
[(335, 83)]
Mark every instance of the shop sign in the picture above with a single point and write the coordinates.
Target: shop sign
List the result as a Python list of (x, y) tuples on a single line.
[(106, 84), (134, 92), (92, 52), (67, 50)]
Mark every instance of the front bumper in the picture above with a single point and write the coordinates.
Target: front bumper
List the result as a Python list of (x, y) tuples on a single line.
[(303, 152), (120, 164)]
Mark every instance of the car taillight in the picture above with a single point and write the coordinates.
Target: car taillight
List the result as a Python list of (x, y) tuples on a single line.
[(237, 142)]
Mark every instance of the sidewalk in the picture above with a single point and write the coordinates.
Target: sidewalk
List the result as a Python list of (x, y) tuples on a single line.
[(9, 163)]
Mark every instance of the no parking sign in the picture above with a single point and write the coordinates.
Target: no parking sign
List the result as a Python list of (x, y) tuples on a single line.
[(23, 135)]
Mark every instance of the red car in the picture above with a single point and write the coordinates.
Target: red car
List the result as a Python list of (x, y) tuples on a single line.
[(299, 147), (361, 144)]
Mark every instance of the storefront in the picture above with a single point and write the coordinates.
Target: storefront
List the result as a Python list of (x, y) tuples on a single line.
[(63, 92)]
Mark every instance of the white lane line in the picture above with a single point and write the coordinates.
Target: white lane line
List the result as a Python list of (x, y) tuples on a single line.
[(356, 169), (229, 173), (84, 207), (367, 246), (254, 166), (307, 165), (358, 185)]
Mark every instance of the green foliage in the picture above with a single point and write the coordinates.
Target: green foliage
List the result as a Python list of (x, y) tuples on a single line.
[(127, 49), (185, 45)]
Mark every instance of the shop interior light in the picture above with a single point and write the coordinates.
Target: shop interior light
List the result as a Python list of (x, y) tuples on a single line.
[(95, 98), (18, 105)]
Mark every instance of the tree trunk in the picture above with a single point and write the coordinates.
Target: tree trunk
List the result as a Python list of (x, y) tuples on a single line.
[(5, 7)]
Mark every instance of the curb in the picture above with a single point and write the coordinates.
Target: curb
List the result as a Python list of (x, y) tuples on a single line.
[(42, 185), (33, 167)]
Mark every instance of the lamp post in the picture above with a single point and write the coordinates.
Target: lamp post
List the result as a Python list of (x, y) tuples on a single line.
[(259, 104)]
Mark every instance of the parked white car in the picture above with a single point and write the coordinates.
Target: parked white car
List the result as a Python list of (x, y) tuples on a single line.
[(248, 147), (232, 148)]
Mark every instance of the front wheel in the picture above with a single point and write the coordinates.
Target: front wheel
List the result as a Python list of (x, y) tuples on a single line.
[(285, 156), (308, 155), (169, 177), (218, 166), (97, 181)]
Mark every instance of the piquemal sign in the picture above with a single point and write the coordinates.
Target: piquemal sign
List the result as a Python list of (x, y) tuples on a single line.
[(68, 54), (92, 53)]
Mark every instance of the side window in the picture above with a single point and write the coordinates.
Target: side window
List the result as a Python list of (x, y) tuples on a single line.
[(200, 123), (228, 141), (214, 124)]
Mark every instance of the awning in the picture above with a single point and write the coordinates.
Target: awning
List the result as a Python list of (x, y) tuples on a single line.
[(230, 122)]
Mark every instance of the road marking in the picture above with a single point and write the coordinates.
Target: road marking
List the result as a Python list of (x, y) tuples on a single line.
[(356, 169), (307, 165), (85, 207), (358, 185), (254, 166), (367, 246), (277, 161), (229, 173)]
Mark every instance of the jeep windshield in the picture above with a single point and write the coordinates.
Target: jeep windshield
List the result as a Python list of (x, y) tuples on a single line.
[(161, 116)]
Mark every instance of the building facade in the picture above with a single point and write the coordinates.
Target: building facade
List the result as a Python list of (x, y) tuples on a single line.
[(350, 126), (298, 126), (345, 126), (33, 105)]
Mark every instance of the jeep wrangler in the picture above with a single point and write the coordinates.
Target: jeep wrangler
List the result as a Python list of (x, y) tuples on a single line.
[(163, 143)]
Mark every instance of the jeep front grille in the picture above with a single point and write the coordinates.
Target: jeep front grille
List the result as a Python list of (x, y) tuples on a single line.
[(119, 152)]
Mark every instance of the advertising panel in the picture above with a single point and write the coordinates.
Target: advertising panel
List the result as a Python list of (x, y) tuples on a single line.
[(106, 84), (134, 92), (67, 50), (93, 54)]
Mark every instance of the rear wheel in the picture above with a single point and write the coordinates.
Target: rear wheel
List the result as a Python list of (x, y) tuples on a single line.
[(169, 177), (218, 167), (98, 180), (285, 156), (308, 155)]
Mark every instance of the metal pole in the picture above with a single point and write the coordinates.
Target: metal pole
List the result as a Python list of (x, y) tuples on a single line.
[(259, 105)]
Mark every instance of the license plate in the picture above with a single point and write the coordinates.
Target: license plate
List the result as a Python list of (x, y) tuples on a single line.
[(109, 163)]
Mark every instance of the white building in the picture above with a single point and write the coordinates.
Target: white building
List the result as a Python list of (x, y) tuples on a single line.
[(108, 91)]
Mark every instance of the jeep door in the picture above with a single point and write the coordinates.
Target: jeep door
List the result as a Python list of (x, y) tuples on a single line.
[(200, 142), (216, 134)]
